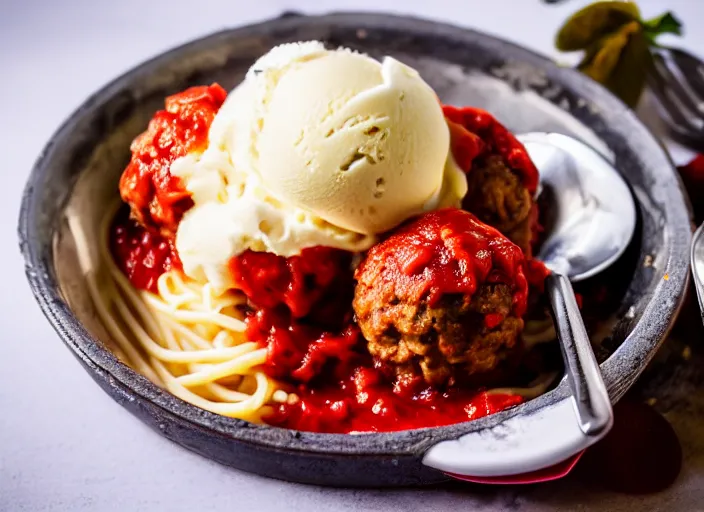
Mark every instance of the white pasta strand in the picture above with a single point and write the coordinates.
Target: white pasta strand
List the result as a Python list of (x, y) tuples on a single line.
[(237, 366), (225, 394), (248, 406), (101, 307), (180, 338), (537, 332), (180, 296), (196, 316), (175, 356), (184, 334), (536, 388)]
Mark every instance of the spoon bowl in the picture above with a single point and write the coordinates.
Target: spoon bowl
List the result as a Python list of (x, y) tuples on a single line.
[(594, 212)]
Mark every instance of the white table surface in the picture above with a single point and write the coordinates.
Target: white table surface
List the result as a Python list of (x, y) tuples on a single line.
[(64, 444)]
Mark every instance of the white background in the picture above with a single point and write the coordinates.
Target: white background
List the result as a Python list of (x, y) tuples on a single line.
[(64, 445)]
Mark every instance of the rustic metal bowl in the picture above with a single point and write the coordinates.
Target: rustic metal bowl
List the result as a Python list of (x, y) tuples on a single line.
[(80, 165)]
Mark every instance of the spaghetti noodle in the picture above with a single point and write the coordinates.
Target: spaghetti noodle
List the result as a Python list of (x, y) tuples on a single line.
[(184, 338)]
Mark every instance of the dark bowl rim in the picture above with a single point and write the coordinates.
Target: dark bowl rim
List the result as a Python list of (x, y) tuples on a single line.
[(409, 442)]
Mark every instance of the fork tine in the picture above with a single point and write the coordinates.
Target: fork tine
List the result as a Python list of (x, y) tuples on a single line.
[(681, 82), (691, 67), (678, 115)]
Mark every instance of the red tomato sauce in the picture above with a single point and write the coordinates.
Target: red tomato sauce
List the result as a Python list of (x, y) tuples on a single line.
[(303, 310), (475, 132), (364, 402), (140, 254), (157, 198), (447, 252), (339, 388), (297, 283), (692, 176), (300, 351)]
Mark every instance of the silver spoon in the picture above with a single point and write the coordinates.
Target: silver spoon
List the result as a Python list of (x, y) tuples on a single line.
[(697, 263), (594, 220)]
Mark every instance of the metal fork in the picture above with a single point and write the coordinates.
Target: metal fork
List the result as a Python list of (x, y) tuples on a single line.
[(677, 81)]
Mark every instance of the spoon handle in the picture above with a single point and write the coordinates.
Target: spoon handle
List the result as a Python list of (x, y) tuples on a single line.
[(591, 399), (696, 256)]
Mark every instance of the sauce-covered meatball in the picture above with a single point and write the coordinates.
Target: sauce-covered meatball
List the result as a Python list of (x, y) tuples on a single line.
[(501, 178), (496, 195), (441, 298), (156, 197)]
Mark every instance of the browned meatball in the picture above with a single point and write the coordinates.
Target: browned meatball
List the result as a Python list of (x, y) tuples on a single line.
[(441, 299), (438, 341), (498, 197)]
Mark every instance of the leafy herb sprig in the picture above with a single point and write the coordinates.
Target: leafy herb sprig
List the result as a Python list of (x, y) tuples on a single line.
[(616, 42)]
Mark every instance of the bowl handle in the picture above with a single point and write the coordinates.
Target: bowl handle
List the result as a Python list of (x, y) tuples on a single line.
[(521, 444)]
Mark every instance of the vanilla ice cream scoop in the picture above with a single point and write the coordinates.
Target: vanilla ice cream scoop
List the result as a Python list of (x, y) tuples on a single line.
[(315, 147), (362, 144)]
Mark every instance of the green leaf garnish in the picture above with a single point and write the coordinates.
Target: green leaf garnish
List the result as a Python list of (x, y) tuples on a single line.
[(664, 24), (616, 43), (588, 25), (620, 61)]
